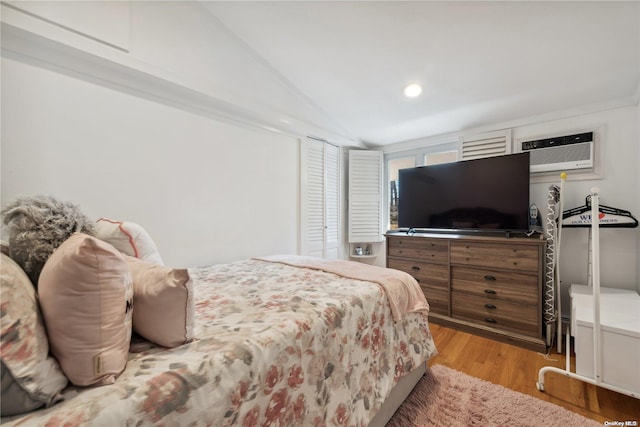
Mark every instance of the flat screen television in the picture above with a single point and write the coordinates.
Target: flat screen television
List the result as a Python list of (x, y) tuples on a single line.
[(482, 195)]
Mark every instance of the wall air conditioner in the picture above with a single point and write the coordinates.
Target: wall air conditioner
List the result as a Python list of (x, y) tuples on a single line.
[(560, 153)]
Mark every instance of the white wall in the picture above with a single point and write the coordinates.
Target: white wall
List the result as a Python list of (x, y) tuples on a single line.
[(179, 126), (207, 191), (185, 39), (175, 52), (618, 188)]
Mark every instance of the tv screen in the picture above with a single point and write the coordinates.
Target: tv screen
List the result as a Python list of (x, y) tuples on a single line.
[(489, 194)]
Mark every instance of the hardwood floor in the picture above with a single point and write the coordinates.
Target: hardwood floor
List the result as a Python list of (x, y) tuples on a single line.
[(517, 369)]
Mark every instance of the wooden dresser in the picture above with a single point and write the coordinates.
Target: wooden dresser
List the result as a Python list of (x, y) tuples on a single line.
[(490, 286)]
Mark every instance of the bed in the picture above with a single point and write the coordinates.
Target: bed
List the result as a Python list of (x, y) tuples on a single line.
[(276, 344)]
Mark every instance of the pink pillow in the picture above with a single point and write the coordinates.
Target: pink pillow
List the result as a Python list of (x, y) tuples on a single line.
[(129, 238), (163, 303), (86, 298)]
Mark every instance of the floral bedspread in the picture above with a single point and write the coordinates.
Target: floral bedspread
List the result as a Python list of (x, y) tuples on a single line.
[(276, 346)]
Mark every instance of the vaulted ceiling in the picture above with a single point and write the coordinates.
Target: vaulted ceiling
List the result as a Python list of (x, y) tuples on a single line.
[(480, 63)]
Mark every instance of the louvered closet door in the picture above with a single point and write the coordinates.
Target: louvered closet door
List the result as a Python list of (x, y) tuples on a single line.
[(320, 197), (365, 196), (332, 200)]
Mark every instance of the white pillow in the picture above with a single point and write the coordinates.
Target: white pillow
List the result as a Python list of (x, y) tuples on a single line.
[(129, 238)]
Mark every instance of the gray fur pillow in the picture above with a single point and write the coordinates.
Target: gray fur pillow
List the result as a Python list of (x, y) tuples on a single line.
[(37, 226)]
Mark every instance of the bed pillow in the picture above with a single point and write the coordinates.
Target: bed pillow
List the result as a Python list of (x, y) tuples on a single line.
[(30, 377), (163, 303), (86, 298), (129, 238), (37, 226)]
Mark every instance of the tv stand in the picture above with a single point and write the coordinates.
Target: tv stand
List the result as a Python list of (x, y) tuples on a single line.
[(486, 285)]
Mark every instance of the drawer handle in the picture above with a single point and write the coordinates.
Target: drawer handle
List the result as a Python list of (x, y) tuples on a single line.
[(489, 277), (490, 320), (490, 306), (489, 291), (415, 268)]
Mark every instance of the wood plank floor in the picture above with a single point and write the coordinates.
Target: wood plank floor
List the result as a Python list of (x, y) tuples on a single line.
[(517, 369)]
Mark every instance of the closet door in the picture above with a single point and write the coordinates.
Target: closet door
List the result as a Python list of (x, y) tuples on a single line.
[(332, 201), (320, 199)]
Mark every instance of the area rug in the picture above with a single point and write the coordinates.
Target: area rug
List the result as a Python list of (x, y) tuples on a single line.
[(446, 397)]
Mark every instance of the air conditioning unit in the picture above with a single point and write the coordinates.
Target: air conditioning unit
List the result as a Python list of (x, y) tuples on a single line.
[(560, 153)]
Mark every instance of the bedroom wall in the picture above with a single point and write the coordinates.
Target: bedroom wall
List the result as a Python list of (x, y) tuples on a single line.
[(618, 188), (173, 52), (207, 191)]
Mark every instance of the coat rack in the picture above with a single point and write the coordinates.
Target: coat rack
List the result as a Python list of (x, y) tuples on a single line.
[(582, 217), (608, 217)]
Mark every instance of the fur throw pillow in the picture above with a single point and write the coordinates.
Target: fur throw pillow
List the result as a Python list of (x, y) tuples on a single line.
[(37, 226)]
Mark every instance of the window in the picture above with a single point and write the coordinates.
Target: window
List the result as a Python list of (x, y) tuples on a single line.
[(440, 157), (445, 151), (393, 166)]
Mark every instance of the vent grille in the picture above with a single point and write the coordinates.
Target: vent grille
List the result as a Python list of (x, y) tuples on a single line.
[(566, 153), (486, 145)]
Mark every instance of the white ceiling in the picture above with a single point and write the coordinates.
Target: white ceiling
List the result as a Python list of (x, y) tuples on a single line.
[(481, 63)]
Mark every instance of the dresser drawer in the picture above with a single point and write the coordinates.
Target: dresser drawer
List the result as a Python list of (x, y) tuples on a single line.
[(514, 257), (438, 300), (503, 285), (430, 275), (497, 314), (433, 250)]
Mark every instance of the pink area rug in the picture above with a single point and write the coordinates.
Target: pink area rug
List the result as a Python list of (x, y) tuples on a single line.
[(446, 397)]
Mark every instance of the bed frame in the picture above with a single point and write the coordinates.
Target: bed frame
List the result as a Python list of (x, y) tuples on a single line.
[(398, 395)]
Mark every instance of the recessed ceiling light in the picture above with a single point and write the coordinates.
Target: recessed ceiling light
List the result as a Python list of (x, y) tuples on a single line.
[(412, 90)]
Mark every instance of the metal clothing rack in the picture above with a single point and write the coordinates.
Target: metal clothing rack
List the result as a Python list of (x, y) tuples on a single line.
[(618, 218)]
